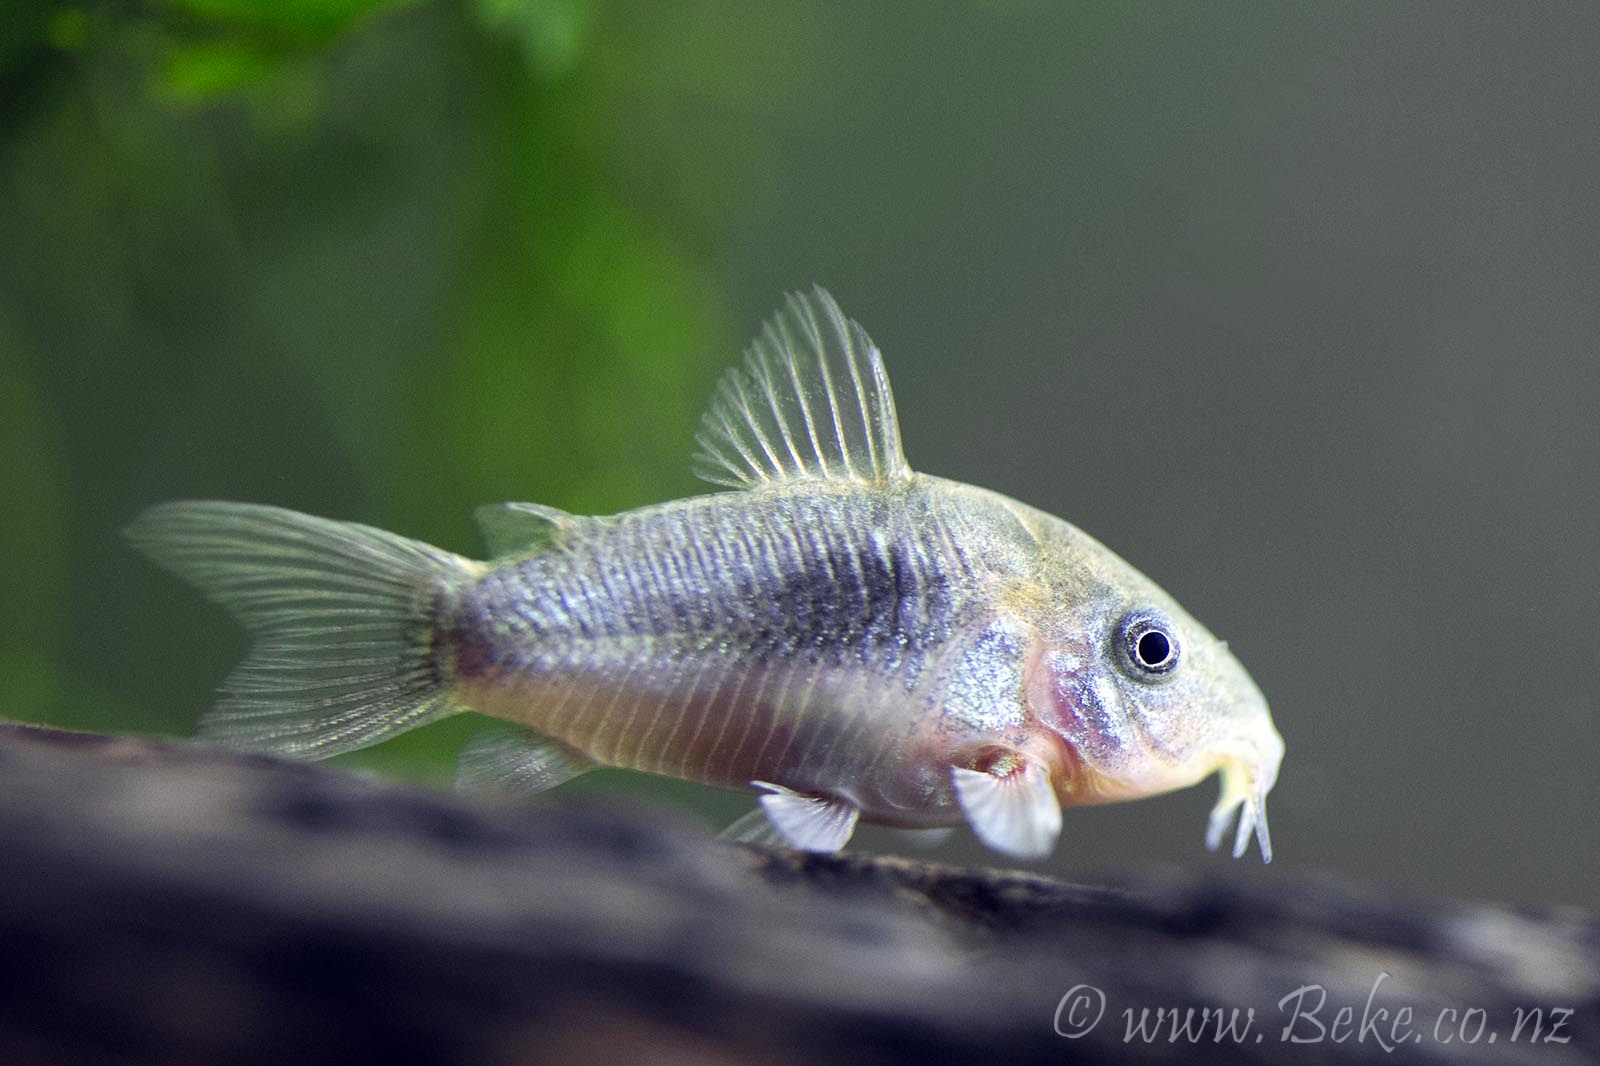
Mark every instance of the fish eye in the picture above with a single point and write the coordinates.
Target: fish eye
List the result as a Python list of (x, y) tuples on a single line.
[(1149, 644)]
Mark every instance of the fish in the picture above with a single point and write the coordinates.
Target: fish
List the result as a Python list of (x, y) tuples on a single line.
[(843, 638)]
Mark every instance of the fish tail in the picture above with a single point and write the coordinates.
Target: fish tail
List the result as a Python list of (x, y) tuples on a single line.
[(346, 619)]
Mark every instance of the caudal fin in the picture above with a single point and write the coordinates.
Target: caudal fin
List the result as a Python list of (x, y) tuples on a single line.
[(344, 618)]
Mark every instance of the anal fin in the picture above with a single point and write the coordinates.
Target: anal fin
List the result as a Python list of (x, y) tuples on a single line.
[(1014, 811), (517, 761), (808, 822)]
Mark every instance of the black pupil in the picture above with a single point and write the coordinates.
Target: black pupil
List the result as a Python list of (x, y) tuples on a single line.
[(1154, 647)]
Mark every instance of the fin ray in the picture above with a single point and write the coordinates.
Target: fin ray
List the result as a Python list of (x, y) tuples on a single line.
[(754, 827), (806, 822), (811, 400), (517, 761), (1016, 813), (342, 615)]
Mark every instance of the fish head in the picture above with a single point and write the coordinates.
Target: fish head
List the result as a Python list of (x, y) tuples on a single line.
[(1147, 700)]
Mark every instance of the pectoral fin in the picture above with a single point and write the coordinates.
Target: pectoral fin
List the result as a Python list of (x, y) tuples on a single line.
[(1015, 812), (810, 823)]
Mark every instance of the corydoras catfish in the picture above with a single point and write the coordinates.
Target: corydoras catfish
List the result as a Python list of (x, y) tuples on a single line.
[(846, 638)]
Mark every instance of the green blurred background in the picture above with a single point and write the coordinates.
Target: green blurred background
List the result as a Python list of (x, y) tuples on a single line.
[(1295, 308)]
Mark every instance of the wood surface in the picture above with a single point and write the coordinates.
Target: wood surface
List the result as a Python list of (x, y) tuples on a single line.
[(166, 903)]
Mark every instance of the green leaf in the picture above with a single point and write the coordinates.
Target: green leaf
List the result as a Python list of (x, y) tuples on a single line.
[(208, 68), (550, 33), (306, 19), (24, 26)]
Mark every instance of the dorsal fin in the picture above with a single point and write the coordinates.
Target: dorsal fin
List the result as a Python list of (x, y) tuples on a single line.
[(811, 401), (515, 528)]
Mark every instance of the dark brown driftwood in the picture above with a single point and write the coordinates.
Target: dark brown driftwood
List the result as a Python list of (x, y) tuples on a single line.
[(166, 904)]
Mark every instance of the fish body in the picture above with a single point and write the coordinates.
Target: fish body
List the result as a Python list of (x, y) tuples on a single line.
[(847, 638), (813, 637)]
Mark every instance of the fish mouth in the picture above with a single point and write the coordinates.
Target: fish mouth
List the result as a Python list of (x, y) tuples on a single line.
[(1247, 772), (1247, 777)]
